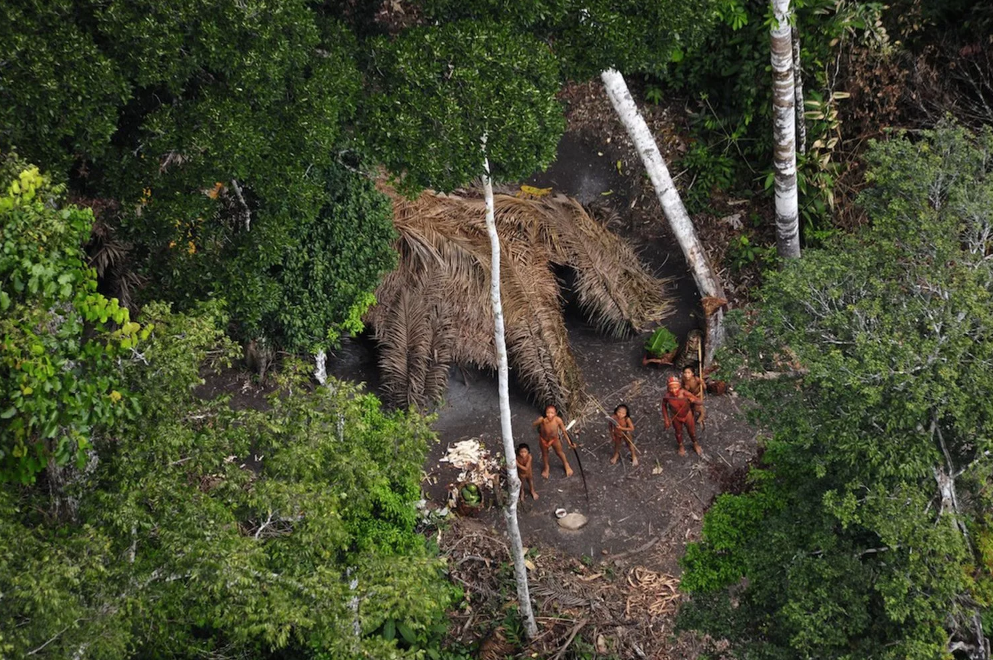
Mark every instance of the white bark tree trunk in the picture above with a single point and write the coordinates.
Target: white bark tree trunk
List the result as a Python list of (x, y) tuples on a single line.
[(801, 123), (507, 432), (679, 220), (320, 367), (784, 133)]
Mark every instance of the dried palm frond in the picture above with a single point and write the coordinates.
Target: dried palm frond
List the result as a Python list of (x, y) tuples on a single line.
[(613, 289), (404, 355), (440, 351), (442, 285), (104, 249), (496, 646), (565, 597), (537, 341), (656, 593), (109, 256)]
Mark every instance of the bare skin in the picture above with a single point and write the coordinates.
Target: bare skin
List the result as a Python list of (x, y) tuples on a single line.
[(694, 385), (549, 427), (678, 402), (621, 429), (524, 470)]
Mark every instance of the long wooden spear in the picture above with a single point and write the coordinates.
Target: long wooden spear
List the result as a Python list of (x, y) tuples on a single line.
[(703, 385), (579, 462)]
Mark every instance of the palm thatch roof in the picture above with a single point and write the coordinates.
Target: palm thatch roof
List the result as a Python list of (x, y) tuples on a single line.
[(434, 310)]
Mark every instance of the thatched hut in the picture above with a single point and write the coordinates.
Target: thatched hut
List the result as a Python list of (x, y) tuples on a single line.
[(434, 310)]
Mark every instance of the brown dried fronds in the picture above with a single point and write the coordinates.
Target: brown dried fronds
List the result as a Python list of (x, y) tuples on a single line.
[(442, 284), (651, 592), (111, 256)]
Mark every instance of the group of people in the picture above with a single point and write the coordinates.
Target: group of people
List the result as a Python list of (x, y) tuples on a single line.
[(682, 410)]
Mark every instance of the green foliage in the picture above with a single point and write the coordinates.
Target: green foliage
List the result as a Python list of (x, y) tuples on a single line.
[(426, 641), (332, 264), (314, 279), (712, 169), (653, 94), (661, 342), (589, 36), (216, 131), (847, 543), (438, 90), (205, 530), (925, 23), (743, 252), (59, 338), (59, 92), (271, 124)]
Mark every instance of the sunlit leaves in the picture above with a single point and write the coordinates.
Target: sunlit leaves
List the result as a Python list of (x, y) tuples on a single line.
[(59, 338)]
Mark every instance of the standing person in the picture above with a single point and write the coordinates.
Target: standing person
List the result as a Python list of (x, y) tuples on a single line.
[(549, 428), (689, 354), (694, 385), (524, 471), (680, 403), (621, 427)]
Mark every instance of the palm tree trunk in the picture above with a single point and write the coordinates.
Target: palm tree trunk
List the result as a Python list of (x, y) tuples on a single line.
[(679, 220), (784, 133), (503, 376)]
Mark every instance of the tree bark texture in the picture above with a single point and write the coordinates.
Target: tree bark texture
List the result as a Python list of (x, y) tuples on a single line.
[(801, 123), (507, 432), (679, 220), (320, 367), (784, 133), (967, 624)]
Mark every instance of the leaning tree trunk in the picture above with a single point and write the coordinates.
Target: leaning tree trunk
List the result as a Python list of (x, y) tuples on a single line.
[(967, 637), (679, 220), (784, 133), (503, 377), (801, 123)]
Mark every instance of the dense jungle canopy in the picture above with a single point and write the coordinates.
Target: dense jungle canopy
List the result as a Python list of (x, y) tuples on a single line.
[(181, 179)]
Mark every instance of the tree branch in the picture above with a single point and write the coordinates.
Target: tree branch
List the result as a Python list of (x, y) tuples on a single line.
[(244, 204), (54, 637)]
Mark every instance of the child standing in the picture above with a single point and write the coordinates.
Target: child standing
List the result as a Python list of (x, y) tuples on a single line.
[(695, 386), (524, 459), (621, 427), (549, 427)]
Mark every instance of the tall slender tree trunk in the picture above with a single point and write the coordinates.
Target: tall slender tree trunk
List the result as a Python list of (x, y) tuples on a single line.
[(679, 220), (506, 430), (801, 120), (784, 133)]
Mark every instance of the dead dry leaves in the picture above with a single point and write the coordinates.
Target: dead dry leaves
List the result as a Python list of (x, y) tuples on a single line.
[(652, 592)]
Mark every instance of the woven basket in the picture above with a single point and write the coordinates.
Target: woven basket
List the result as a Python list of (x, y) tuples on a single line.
[(465, 509)]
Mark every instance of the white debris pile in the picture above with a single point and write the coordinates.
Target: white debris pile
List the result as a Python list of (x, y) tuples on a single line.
[(475, 463)]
